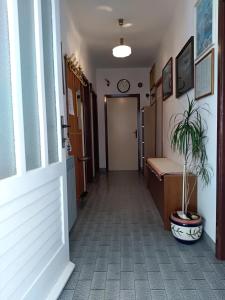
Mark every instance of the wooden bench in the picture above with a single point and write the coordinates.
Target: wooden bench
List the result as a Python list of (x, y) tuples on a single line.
[(164, 180)]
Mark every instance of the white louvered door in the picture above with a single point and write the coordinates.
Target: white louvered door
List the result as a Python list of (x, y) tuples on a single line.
[(34, 247)]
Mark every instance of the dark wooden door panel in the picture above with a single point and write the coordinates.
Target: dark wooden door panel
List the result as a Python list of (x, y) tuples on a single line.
[(74, 133)]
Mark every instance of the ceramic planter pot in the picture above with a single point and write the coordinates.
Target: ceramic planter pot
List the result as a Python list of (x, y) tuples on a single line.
[(186, 231)]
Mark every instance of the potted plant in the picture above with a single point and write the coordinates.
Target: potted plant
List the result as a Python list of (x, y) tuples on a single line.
[(188, 138)]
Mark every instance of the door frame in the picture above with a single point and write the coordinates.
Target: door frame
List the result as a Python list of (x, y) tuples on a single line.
[(220, 225), (95, 138), (114, 96)]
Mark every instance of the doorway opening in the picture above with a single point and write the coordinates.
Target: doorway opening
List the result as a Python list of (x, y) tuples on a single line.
[(122, 132)]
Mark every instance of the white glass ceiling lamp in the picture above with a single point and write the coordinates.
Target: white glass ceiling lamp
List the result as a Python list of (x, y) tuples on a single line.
[(121, 50)]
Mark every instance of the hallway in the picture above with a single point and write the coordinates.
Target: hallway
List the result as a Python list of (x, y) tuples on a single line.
[(122, 252)]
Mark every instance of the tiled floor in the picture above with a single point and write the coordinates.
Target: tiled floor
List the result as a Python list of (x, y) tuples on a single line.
[(122, 252)]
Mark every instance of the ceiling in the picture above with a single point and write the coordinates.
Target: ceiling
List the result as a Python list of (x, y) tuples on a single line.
[(99, 28)]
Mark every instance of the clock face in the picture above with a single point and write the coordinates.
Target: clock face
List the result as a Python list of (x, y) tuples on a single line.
[(123, 86)]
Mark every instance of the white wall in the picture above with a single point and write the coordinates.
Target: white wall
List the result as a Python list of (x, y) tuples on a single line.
[(181, 28), (73, 42), (114, 75)]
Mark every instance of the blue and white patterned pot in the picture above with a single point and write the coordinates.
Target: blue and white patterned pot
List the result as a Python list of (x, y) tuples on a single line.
[(186, 231)]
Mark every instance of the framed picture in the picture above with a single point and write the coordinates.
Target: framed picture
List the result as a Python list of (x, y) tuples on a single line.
[(185, 69), (167, 79), (204, 76), (204, 26)]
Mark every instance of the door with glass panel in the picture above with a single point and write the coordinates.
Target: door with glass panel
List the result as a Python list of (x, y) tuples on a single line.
[(34, 254)]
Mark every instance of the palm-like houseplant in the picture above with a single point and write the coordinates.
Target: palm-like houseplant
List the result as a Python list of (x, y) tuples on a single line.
[(189, 139)]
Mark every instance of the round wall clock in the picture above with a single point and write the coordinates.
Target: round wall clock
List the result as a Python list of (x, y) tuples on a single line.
[(123, 85)]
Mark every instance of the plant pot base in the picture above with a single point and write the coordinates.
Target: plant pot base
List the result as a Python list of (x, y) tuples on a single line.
[(186, 231)]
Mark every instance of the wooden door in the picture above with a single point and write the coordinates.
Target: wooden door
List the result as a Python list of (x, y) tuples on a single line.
[(122, 134), (74, 116)]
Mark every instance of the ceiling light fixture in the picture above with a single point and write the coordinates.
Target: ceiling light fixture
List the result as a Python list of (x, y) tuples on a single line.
[(127, 25), (105, 8), (122, 50)]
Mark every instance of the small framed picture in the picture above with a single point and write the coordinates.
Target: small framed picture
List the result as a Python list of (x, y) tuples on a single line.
[(185, 69), (204, 26), (204, 76), (167, 79)]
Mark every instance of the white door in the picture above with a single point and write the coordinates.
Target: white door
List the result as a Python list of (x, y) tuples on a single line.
[(34, 254), (122, 134)]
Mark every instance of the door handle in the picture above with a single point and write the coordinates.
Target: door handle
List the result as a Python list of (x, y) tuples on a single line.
[(84, 158), (65, 126)]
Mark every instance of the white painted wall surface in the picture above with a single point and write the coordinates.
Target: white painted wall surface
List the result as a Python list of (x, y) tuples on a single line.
[(181, 28), (73, 42), (134, 75)]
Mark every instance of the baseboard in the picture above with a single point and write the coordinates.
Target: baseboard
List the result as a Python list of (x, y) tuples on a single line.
[(61, 282), (210, 242)]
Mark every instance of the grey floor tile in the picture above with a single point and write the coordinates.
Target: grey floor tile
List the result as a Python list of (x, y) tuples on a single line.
[(119, 234), (82, 290), (149, 251), (220, 294), (155, 281), (78, 264), (113, 272), (178, 264), (220, 270), (204, 290), (158, 295), (143, 295), (140, 272), (188, 258), (112, 291), (173, 251), (162, 257), (142, 289), (151, 265), (66, 295), (96, 295), (167, 271), (127, 264), (72, 282), (195, 271), (204, 265), (101, 265), (98, 281), (184, 281), (138, 257), (127, 281), (127, 295), (114, 257), (214, 281), (87, 272), (172, 290), (190, 295)]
